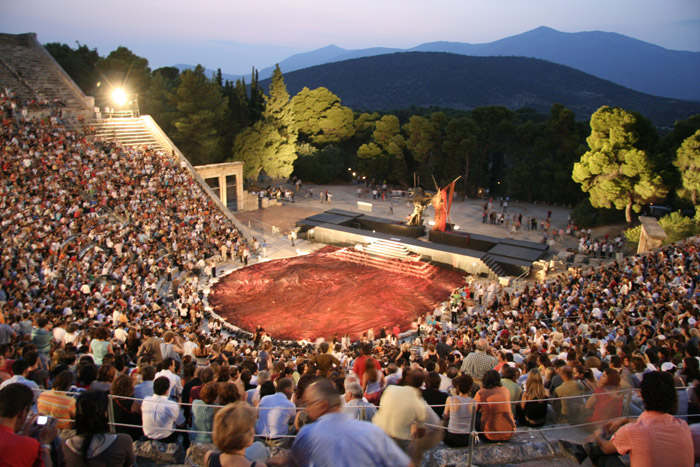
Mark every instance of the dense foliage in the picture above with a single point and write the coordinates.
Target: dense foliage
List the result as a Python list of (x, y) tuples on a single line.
[(496, 151)]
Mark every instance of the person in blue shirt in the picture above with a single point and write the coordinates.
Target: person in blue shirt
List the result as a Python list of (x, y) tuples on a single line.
[(336, 438)]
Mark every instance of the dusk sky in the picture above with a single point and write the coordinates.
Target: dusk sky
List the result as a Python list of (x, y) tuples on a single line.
[(235, 36)]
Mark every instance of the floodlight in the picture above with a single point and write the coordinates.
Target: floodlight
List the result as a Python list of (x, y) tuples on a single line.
[(119, 96)]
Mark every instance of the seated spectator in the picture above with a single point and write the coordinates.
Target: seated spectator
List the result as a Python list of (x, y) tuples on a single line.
[(203, 413), (93, 444), (20, 369), (606, 401), (276, 412), (532, 411), (206, 375), (228, 393), (160, 415), (126, 411), (145, 387), (302, 417), (105, 376), (569, 407), (57, 404), (656, 438), (170, 370), (432, 394), (100, 346), (458, 412), (495, 416), (29, 446), (355, 403), (234, 435)]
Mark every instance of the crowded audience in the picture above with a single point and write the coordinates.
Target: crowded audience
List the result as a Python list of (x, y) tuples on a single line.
[(104, 255)]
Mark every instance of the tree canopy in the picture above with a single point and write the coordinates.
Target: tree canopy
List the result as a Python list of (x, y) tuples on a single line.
[(618, 169), (688, 163)]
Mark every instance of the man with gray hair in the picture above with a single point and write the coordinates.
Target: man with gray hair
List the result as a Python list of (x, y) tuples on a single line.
[(335, 438), (479, 362), (355, 403)]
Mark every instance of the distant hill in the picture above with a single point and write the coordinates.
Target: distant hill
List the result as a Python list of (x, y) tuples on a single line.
[(629, 62), (401, 80), (209, 73)]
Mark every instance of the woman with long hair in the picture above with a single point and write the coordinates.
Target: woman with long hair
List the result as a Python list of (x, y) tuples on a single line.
[(93, 444), (126, 410), (532, 410), (606, 402), (372, 382)]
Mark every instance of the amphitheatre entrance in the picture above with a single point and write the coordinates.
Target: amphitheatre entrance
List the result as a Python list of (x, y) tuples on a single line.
[(223, 179)]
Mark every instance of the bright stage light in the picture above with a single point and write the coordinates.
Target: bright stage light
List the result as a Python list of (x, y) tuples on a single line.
[(456, 227), (431, 222), (119, 96)]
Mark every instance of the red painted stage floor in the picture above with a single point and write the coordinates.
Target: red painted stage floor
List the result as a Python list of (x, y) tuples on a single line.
[(317, 295)]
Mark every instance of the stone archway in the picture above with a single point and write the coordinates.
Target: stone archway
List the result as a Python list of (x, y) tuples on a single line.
[(222, 172)]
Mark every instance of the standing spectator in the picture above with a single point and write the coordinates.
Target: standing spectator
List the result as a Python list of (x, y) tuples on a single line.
[(335, 438), (42, 337), (402, 410)]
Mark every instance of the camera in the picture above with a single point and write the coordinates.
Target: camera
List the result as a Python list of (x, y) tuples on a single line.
[(42, 420)]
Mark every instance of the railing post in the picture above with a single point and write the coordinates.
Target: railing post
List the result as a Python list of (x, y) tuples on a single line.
[(626, 404), (110, 413), (472, 434)]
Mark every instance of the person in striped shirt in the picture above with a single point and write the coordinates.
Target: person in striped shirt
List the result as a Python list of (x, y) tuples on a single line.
[(57, 404)]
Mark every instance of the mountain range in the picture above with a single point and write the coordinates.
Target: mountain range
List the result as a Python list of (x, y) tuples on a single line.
[(424, 79), (629, 62)]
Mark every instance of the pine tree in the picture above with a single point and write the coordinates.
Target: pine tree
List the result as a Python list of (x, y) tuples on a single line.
[(618, 169), (688, 163)]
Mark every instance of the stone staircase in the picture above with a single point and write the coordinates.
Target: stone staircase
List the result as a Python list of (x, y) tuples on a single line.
[(128, 131), (32, 73), (388, 256), (494, 266)]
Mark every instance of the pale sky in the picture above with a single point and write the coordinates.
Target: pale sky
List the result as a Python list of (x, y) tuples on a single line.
[(235, 36)]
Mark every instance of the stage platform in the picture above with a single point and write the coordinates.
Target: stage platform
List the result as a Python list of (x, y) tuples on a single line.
[(497, 258)]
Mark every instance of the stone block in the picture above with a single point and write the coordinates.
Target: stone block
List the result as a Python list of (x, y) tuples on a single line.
[(159, 453)]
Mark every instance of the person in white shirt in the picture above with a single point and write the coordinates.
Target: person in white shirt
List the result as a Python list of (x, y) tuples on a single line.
[(160, 415), (169, 369), (276, 412)]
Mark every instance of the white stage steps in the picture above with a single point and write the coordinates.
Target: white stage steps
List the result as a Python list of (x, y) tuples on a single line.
[(389, 256)]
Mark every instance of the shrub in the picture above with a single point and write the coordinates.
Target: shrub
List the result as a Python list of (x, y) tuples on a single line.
[(678, 227), (632, 234)]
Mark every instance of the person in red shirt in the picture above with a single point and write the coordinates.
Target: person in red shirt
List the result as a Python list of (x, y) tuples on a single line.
[(656, 438), (17, 448), (360, 365)]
